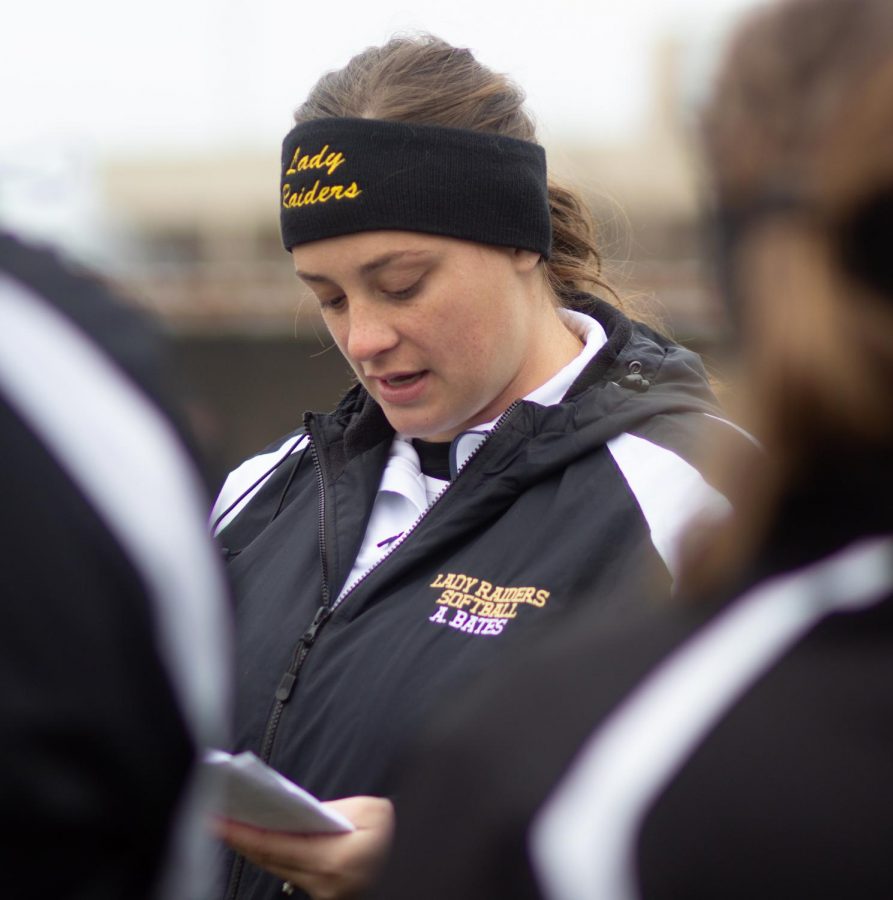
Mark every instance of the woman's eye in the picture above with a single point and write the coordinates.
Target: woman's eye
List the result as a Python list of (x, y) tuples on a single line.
[(404, 293), (332, 304)]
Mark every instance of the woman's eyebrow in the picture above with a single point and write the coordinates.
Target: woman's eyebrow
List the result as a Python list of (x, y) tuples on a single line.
[(316, 279), (373, 265), (387, 258)]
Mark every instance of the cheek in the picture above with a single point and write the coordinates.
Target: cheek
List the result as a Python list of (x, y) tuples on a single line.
[(481, 334), (457, 347), (458, 327)]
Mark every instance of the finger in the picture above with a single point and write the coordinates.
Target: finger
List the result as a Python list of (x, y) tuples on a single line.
[(303, 880), (271, 848), (363, 812), (311, 872)]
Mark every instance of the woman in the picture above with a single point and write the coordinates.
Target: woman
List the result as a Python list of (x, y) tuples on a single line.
[(512, 440), (738, 746)]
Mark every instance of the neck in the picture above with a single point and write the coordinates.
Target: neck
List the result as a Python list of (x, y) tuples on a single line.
[(556, 345)]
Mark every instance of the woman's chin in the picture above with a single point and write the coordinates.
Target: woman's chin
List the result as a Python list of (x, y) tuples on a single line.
[(414, 426)]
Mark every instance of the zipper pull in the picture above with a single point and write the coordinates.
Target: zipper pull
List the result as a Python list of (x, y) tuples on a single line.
[(320, 619), (286, 686), (287, 683)]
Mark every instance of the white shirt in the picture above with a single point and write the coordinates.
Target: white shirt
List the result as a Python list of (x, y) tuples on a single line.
[(405, 493)]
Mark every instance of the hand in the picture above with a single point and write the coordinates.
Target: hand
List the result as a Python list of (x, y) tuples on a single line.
[(326, 866)]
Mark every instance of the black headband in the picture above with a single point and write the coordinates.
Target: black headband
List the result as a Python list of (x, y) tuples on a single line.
[(342, 176)]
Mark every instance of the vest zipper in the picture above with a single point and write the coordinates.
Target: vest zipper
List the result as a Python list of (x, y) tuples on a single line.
[(399, 541), (288, 681), (323, 613)]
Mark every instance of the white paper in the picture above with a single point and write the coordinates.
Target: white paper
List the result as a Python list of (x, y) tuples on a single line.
[(249, 791)]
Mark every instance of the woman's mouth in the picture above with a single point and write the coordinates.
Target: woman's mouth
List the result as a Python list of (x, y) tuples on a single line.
[(406, 378), (402, 387)]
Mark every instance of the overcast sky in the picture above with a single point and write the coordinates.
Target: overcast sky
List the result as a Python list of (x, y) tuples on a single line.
[(84, 80)]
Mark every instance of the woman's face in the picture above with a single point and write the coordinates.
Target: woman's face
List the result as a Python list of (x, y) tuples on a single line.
[(441, 332)]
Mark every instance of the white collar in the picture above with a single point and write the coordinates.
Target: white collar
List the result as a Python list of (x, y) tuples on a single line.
[(403, 474)]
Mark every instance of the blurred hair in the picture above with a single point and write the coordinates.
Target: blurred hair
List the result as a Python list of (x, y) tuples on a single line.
[(426, 80), (799, 138)]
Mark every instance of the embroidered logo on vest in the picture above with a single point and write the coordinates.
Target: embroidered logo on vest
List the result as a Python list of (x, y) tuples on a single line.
[(475, 606)]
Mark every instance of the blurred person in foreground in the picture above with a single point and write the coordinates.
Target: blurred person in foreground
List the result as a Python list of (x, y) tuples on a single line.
[(511, 440), (740, 744), (112, 649)]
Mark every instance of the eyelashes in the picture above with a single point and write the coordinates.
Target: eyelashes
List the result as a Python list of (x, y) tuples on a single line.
[(405, 293), (339, 302), (332, 304)]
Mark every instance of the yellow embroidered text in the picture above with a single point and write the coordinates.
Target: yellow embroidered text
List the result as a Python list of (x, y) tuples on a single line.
[(316, 194), (321, 160), (483, 599)]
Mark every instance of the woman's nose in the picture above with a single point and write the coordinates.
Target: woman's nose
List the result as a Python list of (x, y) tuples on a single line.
[(369, 333)]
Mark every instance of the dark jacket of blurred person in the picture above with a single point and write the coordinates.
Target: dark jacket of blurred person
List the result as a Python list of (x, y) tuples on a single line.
[(112, 650), (739, 745)]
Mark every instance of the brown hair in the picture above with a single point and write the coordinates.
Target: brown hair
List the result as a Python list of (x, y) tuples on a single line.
[(802, 108), (423, 79)]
